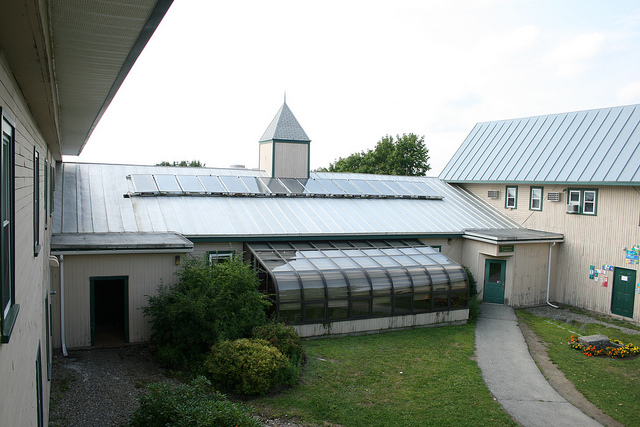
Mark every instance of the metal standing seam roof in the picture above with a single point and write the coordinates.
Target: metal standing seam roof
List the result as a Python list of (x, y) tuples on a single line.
[(285, 126), (90, 198), (586, 147)]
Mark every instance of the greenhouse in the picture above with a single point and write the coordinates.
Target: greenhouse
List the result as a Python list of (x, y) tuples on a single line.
[(323, 282)]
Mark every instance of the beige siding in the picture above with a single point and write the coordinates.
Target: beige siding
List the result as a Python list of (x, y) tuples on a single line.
[(266, 158), (145, 272), (17, 358), (589, 240), (291, 160)]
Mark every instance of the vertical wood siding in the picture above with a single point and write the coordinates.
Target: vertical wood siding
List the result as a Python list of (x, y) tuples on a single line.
[(589, 240), (17, 358)]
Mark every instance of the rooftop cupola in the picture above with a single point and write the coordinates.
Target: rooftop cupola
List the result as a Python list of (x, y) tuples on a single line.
[(284, 147)]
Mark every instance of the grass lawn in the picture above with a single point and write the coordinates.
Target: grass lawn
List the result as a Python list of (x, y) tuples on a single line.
[(418, 377), (613, 385)]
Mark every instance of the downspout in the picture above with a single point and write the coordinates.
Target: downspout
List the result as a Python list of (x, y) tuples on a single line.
[(62, 336), (549, 275)]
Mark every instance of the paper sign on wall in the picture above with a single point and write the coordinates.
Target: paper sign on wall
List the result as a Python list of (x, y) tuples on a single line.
[(624, 278), (605, 281)]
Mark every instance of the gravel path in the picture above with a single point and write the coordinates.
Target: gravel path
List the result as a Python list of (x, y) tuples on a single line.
[(565, 315)]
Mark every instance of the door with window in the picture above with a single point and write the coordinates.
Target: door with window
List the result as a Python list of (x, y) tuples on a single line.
[(622, 299), (494, 273)]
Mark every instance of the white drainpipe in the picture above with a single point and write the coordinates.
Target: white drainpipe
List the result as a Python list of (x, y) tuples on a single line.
[(549, 275), (62, 336)]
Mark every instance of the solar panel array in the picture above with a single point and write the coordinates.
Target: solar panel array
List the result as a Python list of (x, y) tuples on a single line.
[(229, 185)]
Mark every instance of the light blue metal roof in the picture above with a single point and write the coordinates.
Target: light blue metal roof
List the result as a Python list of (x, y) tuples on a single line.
[(90, 198), (586, 147), (285, 126)]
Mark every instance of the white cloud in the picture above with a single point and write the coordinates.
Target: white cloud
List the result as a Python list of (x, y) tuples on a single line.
[(629, 94), (572, 57)]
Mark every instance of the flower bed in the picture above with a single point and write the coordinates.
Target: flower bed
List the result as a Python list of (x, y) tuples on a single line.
[(625, 350)]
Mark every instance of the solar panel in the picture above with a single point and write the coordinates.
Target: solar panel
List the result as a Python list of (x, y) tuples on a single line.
[(274, 185), (212, 184), (382, 188), (190, 183), (294, 186), (167, 183), (348, 187), (252, 184), (331, 187), (144, 184), (233, 184), (312, 186), (365, 187)]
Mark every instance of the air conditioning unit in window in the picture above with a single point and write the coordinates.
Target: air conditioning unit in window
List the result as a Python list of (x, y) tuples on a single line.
[(494, 194), (573, 208), (554, 197)]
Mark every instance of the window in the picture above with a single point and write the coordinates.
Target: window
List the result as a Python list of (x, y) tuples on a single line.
[(584, 201), (511, 200), (36, 202), (39, 399), (220, 256), (52, 187), (9, 311), (535, 203), (45, 193)]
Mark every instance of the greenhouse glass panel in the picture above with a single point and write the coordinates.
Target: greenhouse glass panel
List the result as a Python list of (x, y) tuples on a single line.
[(301, 264), (361, 244), (358, 282), (401, 281), (440, 300), (423, 260), (342, 245), (385, 261), (334, 253), (421, 280), (391, 251), (346, 263), (366, 262), (382, 306), (409, 251), (455, 273), (290, 313), (314, 312), (337, 286), (361, 307), (402, 305), (404, 260), (439, 279), (312, 285), (323, 264), (288, 287), (338, 310), (323, 245), (459, 299), (372, 252), (380, 282), (421, 303), (282, 246)]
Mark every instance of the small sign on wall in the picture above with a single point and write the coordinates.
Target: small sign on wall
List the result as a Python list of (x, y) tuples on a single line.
[(506, 248)]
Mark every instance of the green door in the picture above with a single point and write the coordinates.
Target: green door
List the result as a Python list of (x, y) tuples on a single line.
[(494, 271), (624, 283)]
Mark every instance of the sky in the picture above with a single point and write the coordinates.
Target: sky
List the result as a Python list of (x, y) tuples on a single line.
[(215, 73)]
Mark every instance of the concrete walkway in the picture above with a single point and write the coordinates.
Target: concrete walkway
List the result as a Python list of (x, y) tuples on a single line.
[(513, 377)]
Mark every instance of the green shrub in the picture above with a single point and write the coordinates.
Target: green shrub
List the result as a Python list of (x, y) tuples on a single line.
[(245, 366), (474, 302), (473, 286), (283, 337), (210, 302), (286, 339), (188, 405)]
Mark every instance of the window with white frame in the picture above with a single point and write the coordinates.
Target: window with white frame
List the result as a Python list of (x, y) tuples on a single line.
[(220, 256), (511, 198), (535, 201), (9, 311), (585, 199)]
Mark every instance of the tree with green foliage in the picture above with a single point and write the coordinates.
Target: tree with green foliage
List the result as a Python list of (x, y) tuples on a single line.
[(183, 163), (406, 155), (210, 302)]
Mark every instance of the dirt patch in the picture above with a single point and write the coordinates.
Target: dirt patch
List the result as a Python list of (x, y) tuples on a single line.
[(558, 381)]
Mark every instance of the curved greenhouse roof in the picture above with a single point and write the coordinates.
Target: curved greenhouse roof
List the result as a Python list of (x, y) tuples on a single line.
[(324, 281)]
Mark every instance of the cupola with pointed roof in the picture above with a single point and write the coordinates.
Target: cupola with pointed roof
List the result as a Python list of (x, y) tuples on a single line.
[(284, 147)]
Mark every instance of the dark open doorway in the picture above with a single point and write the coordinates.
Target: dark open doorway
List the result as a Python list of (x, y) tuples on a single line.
[(109, 311)]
